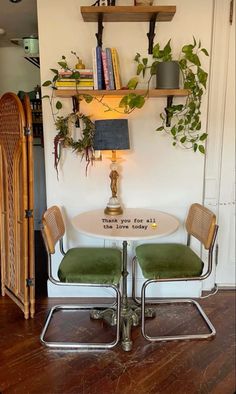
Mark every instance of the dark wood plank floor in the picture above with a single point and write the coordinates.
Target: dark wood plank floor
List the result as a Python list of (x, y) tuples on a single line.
[(168, 367)]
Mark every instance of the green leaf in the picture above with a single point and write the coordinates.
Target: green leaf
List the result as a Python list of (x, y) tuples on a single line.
[(167, 52), (137, 102), (123, 102), (140, 68), (55, 78), (187, 48), (88, 98), (145, 61), (75, 75), (201, 149), (160, 128), (132, 83), (156, 51), (180, 128), (203, 137), (194, 42), (183, 63), (195, 146), (173, 131), (153, 69), (62, 64), (58, 105), (54, 70), (183, 139), (202, 76), (193, 58), (136, 59), (47, 83), (205, 51)]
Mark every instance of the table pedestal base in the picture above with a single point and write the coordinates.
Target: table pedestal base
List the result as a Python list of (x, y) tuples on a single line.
[(130, 317)]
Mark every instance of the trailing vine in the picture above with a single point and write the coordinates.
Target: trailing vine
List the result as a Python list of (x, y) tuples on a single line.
[(64, 139), (182, 121)]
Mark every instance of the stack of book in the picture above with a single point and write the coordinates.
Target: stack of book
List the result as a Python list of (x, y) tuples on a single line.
[(84, 82), (106, 69)]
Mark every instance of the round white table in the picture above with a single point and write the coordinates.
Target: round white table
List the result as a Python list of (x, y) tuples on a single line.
[(133, 224)]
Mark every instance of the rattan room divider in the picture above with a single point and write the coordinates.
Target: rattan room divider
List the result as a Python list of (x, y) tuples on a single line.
[(17, 202)]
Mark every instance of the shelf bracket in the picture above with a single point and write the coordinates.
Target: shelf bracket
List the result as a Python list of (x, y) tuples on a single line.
[(75, 102), (100, 29), (168, 105), (151, 33)]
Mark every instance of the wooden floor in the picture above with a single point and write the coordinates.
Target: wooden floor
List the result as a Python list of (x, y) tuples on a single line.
[(169, 367)]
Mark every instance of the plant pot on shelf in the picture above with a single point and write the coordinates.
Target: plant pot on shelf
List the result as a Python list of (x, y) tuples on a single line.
[(167, 76), (143, 2)]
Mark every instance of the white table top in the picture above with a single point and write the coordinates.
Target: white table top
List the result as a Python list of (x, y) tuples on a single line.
[(133, 224)]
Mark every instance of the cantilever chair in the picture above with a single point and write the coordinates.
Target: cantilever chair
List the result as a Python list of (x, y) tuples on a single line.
[(84, 266), (176, 262)]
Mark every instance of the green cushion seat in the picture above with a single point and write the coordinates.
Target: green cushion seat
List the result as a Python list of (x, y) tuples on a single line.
[(91, 265), (168, 261)]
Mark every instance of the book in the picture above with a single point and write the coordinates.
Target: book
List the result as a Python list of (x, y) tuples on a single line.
[(105, 69), (74, 83), (74, 80), (95, 75), (116, 68), (110, 69), (100, 75), (75, 87)]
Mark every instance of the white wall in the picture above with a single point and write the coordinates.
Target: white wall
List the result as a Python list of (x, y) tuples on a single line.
[(154, 174), (16, 72)]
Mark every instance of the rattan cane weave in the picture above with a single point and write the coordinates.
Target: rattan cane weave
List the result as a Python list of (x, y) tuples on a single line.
[(201, 224), (53, 227)]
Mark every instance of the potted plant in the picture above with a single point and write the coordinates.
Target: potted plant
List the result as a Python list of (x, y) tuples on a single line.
[(182, 122)]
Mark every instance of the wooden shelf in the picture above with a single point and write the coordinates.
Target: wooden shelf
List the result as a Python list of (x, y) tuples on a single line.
[(128, 13), (119, 93)]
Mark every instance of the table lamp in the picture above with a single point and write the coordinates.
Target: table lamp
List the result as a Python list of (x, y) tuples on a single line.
[(112, 134)]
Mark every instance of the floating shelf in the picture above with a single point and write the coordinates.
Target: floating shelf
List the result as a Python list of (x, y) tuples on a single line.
[(151, 14), (128, 13), (119, 93)]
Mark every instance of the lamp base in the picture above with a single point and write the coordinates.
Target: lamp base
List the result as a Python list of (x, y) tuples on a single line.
[(113, 211), (113, 207)]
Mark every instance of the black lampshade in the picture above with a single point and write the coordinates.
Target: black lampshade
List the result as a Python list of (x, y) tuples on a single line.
[(111, 134)]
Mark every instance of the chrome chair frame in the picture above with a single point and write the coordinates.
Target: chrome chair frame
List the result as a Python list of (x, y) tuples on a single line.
[(116, 306), (143, 303)]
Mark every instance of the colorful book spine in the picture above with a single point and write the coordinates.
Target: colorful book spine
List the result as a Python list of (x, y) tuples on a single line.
[(110, 69), (101, 83), (75, 80), (116, 68), (95, 74), (75, 88), (105, 69), (74, 83)]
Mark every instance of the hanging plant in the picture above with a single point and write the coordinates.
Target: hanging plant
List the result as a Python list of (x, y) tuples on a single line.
[(182, 122)]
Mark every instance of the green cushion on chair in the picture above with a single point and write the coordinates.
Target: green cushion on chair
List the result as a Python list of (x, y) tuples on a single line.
[(91, 265), (168, 261)]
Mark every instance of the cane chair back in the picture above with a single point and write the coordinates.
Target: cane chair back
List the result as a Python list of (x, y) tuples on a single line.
[(200, 224), (53, 227)]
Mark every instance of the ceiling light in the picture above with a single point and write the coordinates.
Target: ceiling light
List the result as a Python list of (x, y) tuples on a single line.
[(15, 1)]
